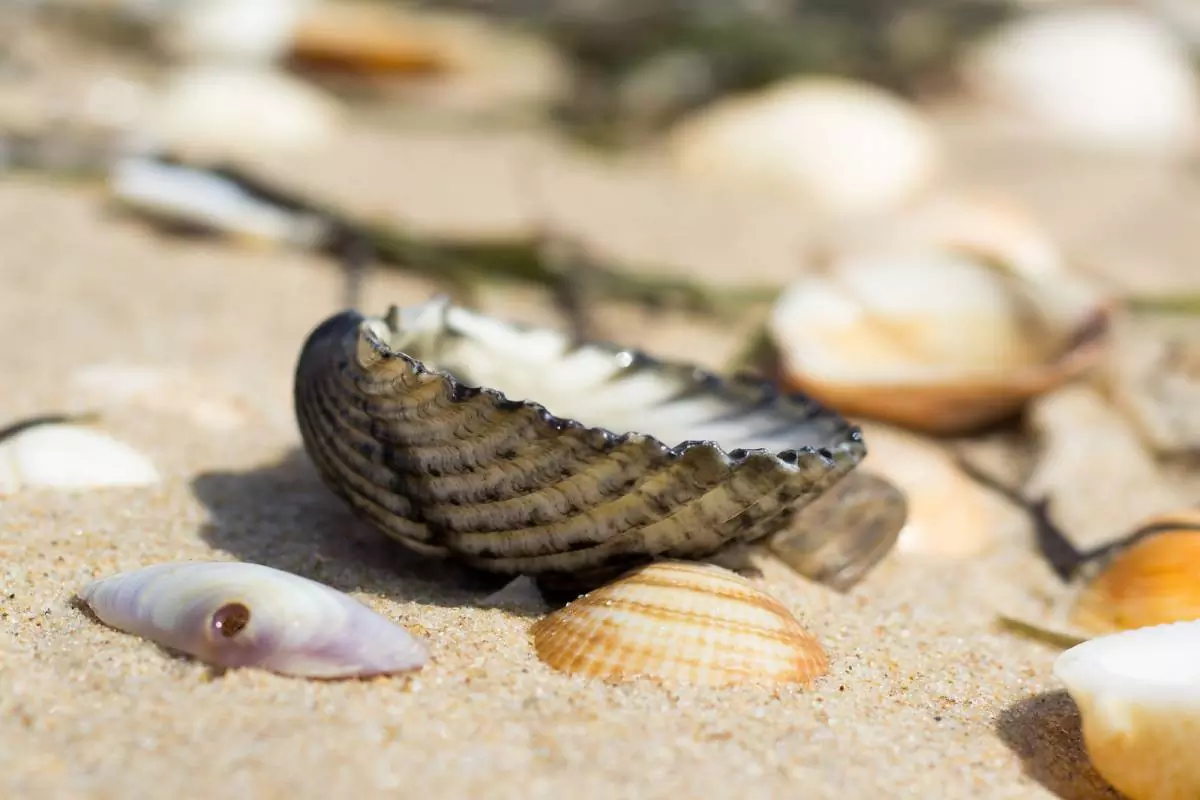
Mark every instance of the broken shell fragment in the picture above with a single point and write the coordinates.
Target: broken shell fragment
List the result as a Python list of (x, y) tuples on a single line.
[(679, 621), (59, 452), (1136, 693), (232, 614), (933, 340), (514, 479), (844, 533)]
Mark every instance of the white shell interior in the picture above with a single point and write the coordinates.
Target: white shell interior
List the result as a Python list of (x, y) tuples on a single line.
[(585, 383), (1159, 662)]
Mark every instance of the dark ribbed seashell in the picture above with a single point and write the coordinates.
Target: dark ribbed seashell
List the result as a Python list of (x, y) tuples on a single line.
[(560, 470)]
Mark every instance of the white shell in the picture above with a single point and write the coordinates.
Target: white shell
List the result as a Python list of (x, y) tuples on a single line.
[(258, 31), (292, 625), (1107, 77), (901, 317), (66, 456), (1138, 699), (839, 146), (196, 197), (203, 111)]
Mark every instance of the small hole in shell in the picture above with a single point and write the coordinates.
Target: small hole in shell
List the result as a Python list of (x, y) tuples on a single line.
[(230, 619)]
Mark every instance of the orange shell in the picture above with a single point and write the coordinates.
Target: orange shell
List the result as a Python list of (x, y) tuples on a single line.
[(680, 621), (1154, 581)]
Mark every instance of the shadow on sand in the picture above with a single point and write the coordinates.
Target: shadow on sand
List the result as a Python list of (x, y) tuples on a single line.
[(283, 516), (1044, 732)]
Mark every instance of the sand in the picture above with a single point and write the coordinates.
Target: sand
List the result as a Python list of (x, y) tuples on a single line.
[(926, 697)]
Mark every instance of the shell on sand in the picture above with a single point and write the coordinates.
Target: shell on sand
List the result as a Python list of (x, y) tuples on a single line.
[(57, 452), (835, 146), (680, 621), (934, 340), (232, 614), (1151, 581), (1104, 77), (1139, 707), (1150, 577)]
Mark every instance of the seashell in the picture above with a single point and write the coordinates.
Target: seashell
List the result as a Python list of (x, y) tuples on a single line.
[(839, 146), (1136, 696), (229, 30), (933, 340), (58, 452), (1149, 577), (520, 478), (202, 200), (203, 109), (1097, 77), (232, 614), (845, 532), (679, 621)]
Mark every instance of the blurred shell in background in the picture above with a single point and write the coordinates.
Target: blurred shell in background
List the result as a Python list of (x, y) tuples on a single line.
[(61, 454), (251, 31), (840, 147), (932, 339), (1097, 77), (226, 111), (949, 515)]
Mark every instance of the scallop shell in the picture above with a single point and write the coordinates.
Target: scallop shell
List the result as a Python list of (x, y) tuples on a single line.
[(1150, 577), (680, 621), (1138, 703), (512, 486), (233, 614)]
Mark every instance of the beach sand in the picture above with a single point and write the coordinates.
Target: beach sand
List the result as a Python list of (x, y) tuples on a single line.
[(926, 696)]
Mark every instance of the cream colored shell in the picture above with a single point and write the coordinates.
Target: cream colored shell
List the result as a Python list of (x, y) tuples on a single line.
[(680, 621), (1140, 710)]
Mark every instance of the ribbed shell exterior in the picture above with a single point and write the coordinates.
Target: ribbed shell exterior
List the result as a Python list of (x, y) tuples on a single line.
[(680, 622), (505, 486)]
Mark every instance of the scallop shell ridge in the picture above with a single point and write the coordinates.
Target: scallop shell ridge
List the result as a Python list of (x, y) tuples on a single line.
[(680, 621), (461, 470)]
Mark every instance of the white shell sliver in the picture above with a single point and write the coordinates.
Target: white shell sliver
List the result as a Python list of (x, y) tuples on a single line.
[(232, 614), (1138, 694), (66, 456)]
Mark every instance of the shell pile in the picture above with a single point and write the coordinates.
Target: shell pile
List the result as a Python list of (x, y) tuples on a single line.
[(680, 621), (577, 462), (248, 615)]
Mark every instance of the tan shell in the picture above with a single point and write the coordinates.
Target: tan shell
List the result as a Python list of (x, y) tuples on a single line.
[(680, 621), (933, 367)]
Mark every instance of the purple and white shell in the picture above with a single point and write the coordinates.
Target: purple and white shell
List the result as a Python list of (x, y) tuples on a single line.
[(232, 614)]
